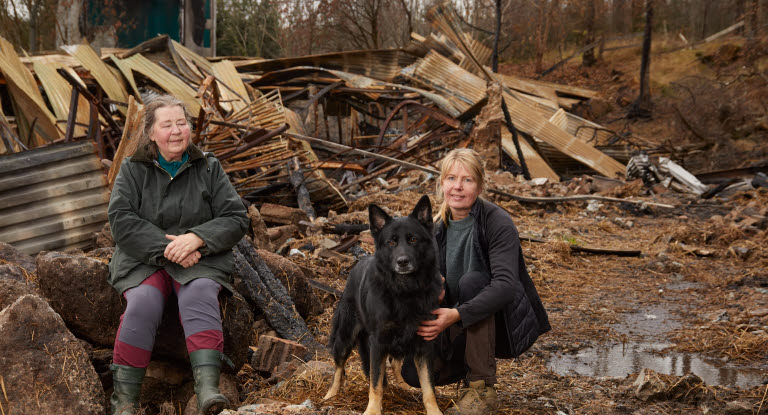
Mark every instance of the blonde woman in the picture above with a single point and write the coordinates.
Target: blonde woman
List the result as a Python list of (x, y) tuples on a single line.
[(491, 308)]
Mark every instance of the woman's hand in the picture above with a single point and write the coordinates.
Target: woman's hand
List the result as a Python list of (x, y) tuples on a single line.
[(182, 246), (429, 329), (191, 259)]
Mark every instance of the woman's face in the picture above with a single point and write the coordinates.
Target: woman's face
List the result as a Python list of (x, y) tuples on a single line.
[(460, 190), (170, 132)]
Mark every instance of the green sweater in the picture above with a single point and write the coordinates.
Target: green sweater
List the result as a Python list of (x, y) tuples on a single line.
[(459, 255), (147, 203)]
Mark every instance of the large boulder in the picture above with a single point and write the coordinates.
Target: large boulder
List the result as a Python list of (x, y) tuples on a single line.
[(10, 254), (11, 290), (76, 287), (45, 369), (292, 277)]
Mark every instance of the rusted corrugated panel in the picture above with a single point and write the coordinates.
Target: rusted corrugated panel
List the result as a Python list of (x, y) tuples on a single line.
[(100, 72), (59, 93), (230, 84), (163, 79), (383, 64), (448, 78), (53, 197), (189, 62), (536, 165), (26, 95)]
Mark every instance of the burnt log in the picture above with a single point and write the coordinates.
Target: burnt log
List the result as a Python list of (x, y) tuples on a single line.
[(272, 298)]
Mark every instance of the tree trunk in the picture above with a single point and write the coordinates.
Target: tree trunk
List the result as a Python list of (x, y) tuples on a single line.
[(495, 58), (642, 107), (588, 58)]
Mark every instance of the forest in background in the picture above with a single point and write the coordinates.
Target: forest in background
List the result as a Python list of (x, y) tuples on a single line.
[(539, 30)]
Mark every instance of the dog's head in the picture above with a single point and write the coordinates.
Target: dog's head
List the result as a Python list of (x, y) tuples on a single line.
[(404, 244)]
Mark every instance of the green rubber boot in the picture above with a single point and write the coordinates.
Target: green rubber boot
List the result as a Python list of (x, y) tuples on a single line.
[(206, 367), (127, 387)]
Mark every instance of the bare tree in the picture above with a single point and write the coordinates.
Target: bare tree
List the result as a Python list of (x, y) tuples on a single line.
[(642, 106), (588, 57)]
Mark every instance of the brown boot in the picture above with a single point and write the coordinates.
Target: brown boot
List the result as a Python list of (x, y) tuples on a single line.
[(477, 399)]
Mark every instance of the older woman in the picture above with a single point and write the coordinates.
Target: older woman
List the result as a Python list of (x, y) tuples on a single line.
[(491, 307), (175, 218)]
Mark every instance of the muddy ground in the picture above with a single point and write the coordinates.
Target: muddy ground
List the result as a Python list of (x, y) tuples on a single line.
[(691, 308)]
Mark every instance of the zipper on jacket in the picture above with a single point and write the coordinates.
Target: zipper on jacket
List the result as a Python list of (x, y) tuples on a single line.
[(181, 168)]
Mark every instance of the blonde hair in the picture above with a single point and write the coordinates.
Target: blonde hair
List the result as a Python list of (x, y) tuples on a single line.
[(148, 121), (471, 161)]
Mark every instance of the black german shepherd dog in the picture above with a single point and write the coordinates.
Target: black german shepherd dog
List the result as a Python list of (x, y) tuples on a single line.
[(386, 297)]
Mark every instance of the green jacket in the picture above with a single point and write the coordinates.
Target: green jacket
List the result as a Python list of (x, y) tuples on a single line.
[(147, 203)]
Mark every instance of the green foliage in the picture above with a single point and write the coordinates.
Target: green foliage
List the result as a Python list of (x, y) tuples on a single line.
[(247, 28)]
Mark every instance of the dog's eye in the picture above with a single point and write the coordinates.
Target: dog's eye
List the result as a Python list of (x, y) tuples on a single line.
[(391, 243), (412, 240)]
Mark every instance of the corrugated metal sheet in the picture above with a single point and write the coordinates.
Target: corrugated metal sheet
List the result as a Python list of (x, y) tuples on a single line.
[(100, 71), (163, 79), (53, 197), (382, 64), (25, 94), (59, 93), (227, 77), (466, 89)]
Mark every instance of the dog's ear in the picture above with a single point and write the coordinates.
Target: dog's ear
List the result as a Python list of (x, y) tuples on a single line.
[(423, 212), (378, 218)]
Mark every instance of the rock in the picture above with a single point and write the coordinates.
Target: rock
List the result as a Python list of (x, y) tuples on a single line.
[(10, 254), (11, 290), (16, 273), (104, 238), (227, 387), (272, 351), (45, 369), (76, 287), (260, 235), (291, 276), (687, 389), (648, 386), (283, 371), (265, 406), (738, 408), (315, 369)]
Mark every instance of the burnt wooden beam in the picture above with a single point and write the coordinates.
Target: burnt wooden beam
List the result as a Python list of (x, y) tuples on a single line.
[(302, 194), (72, 117)]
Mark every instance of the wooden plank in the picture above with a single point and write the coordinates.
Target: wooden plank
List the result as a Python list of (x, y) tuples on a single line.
[(128, 141)]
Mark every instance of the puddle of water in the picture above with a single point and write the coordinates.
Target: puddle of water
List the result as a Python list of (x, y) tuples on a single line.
[(648, 322), (620, 360)]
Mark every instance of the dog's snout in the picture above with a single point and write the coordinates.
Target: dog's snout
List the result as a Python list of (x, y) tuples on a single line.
[(403, 261)]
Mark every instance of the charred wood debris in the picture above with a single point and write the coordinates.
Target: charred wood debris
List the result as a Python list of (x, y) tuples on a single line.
[(305, 137)]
